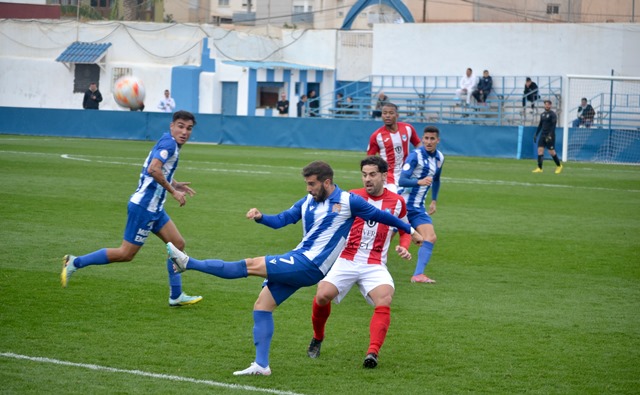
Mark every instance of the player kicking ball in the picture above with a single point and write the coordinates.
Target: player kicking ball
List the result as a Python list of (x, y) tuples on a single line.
[(363, 263), (327, 214)]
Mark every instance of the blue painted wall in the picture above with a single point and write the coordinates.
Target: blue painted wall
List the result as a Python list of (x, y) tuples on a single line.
[(318, 133)]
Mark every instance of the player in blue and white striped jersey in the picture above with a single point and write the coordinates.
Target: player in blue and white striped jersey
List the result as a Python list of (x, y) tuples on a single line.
[(327, 214), (145, 212), (421, 172)]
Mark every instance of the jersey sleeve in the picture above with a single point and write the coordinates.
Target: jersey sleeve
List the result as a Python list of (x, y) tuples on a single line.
[(415, 140), (407, 170), (360, 208), (165, 149), (287, 217), (373, 148)]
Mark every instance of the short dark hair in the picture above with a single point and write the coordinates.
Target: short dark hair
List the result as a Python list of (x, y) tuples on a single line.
[(528, 79), (185, 116), (375, 160), (389, 104), (584, 98), (431, 129), (320, 169)]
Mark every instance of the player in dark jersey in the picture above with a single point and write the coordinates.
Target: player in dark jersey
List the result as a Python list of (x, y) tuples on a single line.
[(547, 126)]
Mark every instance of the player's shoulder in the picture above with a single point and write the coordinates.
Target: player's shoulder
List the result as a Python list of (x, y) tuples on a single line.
[(392, 196), (362, 192)]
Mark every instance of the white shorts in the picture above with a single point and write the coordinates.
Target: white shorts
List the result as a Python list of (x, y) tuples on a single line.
[(344, 273)]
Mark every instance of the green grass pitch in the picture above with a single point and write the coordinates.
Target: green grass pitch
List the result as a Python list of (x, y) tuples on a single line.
[(538, 280)]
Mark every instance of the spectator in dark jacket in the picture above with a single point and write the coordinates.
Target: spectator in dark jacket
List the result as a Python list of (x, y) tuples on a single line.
[(483, 88), (92, 97), (530, 93), (586, 113)]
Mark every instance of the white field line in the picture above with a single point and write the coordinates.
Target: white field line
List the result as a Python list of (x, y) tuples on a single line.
[(265, 170), (146, 374)]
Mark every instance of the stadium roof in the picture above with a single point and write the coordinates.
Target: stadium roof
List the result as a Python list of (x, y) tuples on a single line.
[(80, 52), (272, 65)]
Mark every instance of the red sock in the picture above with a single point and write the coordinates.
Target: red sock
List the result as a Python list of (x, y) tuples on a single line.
[(378, 328), (319, 317)]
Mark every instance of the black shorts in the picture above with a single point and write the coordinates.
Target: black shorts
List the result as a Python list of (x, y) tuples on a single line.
[(547, 141)]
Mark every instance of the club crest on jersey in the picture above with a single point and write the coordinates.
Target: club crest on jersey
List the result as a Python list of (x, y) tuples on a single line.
[(336, 208), (404, 138)]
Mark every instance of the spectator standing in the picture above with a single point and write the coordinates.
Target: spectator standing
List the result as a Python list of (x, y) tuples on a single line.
[(382, 100), (283, 105), (484, 88), (530, 93), (301, 106), (468, 84), (314, 104), (167, 104), (92, 97), (547, 126), (586, 113)]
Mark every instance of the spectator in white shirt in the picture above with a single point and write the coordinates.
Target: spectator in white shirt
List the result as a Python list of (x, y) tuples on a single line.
[(468, 84), (167, 104)]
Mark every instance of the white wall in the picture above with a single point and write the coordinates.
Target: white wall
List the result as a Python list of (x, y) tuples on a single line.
[(506, 49), (30, 77)]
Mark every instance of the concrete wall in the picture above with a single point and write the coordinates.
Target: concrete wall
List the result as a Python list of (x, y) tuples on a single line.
[(30, 77), (506, 49)]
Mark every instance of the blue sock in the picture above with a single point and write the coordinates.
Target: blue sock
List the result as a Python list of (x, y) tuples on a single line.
[(424, 254), (175, 281), (219, 268), (262, 334), (95, 258)]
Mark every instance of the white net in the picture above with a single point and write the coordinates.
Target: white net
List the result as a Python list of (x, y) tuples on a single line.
[(609, 130)]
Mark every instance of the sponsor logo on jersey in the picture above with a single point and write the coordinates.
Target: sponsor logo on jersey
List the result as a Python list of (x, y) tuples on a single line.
[(164, 154)]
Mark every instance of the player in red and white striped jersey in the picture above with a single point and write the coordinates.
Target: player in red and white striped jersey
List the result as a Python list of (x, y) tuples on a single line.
[(393, 142), (363, 262)]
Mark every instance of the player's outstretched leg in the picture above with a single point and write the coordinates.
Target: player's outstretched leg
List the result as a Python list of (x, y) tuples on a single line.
[(68, 268), (253, 369)]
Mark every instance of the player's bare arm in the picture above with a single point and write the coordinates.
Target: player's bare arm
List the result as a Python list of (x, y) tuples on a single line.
[(155, 171)]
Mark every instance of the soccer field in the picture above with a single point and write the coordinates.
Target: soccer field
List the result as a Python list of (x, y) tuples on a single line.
[(538, 280)]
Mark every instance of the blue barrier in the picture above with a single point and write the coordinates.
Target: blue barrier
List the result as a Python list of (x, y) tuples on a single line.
[(315, 133)]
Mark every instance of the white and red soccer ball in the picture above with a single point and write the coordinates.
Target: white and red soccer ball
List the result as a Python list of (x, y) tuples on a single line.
[(129, 92)]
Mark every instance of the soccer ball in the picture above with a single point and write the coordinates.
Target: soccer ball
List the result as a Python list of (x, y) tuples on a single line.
[(128, 92)]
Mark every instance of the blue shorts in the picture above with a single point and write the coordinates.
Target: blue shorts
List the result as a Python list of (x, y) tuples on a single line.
[(141, 222), (289, 272), (418, 217)]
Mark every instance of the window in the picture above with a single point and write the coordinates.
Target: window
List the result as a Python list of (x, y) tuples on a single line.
[(553, 9), (118, 72), (84, 75), (268, 94), (223, 3)]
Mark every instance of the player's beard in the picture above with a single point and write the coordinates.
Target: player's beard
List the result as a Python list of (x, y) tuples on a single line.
[(322, 194)]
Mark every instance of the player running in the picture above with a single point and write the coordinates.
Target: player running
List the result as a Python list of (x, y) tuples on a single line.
[(327, 214), (391, 141), (420, 173), (363, 262), (145, 212)]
